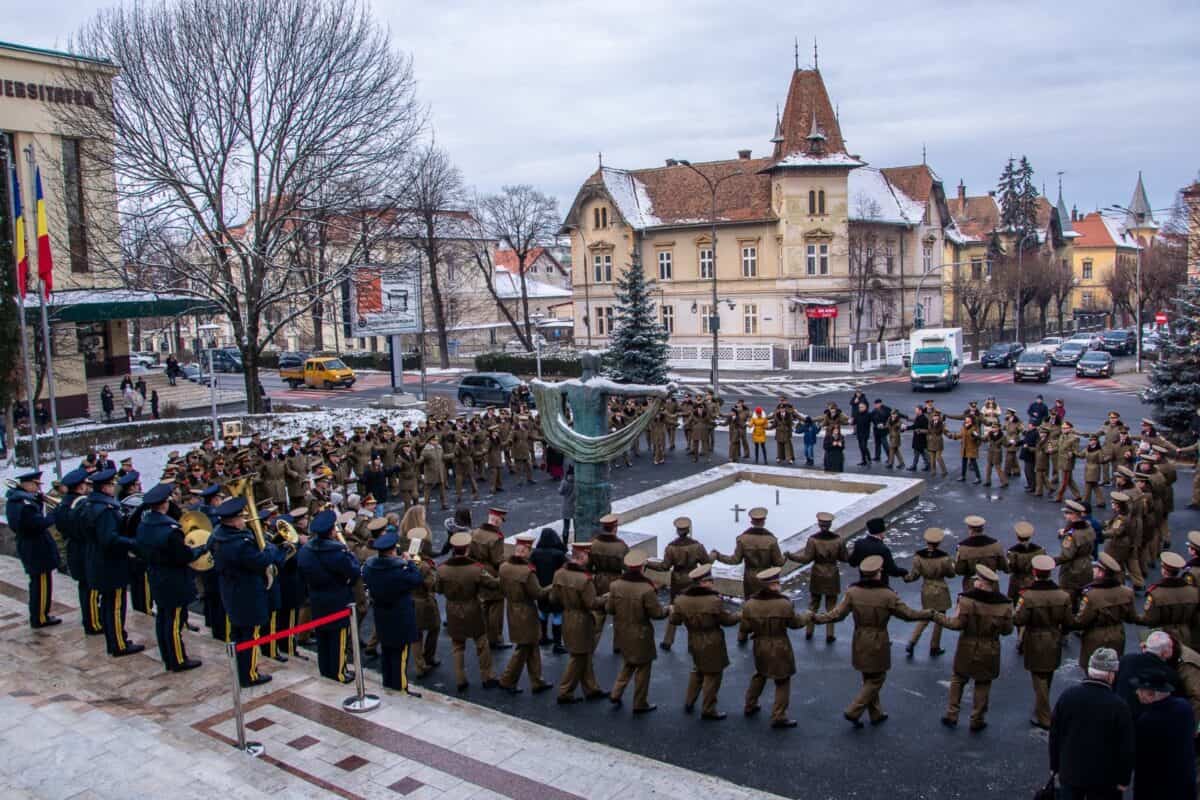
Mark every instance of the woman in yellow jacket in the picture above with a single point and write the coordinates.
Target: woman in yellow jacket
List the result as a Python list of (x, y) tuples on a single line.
[(758, 433)]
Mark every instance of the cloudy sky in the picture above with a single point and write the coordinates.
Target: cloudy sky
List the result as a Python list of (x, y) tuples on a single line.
[(530, 92)]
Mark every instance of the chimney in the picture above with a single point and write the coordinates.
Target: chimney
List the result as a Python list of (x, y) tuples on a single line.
[(962, 193), (671, 162), (991, 192), (744, 155)]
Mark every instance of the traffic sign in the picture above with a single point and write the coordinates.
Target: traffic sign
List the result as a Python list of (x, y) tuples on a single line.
[(1160, 318)]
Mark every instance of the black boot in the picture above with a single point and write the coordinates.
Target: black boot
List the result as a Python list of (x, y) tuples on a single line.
[(558, 646)]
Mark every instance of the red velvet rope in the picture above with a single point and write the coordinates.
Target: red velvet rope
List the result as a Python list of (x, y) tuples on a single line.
[(307, 626)]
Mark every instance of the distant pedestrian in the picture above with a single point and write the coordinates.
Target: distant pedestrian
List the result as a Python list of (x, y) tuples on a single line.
[(920, 438), (106, 402), (566, 488), (547, 558), (835, 450), (1037, 411), (126, 382), (42, 412), (172, 370), (758, 433), (808, 433), (129, 398), (862, 431), (1092, 735), (1165, 765), (154, 404), (141, 387)]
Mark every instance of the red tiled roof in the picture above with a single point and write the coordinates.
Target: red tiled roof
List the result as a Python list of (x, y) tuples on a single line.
[(915, 181), (1095, 231), (807, 97), (978, 217), (507, 259)]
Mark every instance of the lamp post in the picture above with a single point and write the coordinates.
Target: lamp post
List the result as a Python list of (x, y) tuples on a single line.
[(714, 321)]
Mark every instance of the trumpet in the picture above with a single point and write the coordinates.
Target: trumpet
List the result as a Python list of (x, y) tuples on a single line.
[(287, 536), (197, 528), (51, 501)]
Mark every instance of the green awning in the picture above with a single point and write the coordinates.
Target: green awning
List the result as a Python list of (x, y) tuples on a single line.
[(102, 305)]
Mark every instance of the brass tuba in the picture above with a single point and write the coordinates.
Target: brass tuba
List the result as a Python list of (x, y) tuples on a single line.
[(197, 528), (243, 486)]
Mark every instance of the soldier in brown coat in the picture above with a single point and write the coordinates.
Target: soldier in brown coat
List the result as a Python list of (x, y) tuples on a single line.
[(873, 604), (1077, 540), (574, 591), (702, 610), (1105, 605), (433, 467), (461, 579), (757, 549), (1173, 604), (606, 563), (487, 548), (1020, 560), (1043, 613), (1119, 539), (680, 557), (428, 616), (768, 615), (978, 548), (824, 549), (982, 617), (633, 605), (933, 565), (520, 587)]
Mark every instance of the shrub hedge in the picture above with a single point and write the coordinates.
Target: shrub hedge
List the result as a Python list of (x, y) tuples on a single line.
[(552, 366)]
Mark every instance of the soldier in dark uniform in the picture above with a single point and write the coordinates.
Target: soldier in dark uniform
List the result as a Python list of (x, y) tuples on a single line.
[(129, 494), (1172, 603), (768, 615), (824, 549), (108, 560), (329, 570), (520, 588), (680, 557), (214, 609), (983, 615), (633, 605), (68, 521), (574, 591), (933, 565), (873, 545), (35, 546), (242, 572), (391, 579), (487, 548), (1105, 606), (460, 579), (1077, 541), (606, 562), (1043, 614), (873, 604), (160, 539), (700, 608), (757, 550)]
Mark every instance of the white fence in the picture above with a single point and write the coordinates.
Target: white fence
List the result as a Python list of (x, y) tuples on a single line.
[(730, 356), (867, 356)]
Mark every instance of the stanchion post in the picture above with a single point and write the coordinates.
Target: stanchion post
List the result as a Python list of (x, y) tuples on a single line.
[(361, 702), (254, 749)]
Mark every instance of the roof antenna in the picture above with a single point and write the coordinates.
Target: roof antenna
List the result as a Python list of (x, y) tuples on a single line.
[(1060, 174), (600, 159), (796, 51), (815, 54), (923, 161)]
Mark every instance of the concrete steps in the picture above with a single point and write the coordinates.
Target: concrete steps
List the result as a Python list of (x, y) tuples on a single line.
[(183, 395)]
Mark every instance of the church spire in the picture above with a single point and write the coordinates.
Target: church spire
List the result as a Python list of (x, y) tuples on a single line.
[(1064, 218), (778, 137), (1141, 215)]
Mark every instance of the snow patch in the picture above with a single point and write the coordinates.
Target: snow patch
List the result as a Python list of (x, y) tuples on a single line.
[(630, 196)]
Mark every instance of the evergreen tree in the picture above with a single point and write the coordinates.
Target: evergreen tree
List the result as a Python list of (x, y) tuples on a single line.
[(637, 351), (1018, 197), (1028, 194), (1175, 378)]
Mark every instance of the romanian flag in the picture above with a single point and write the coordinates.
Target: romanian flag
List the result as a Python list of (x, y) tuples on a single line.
[(19, 225), (45, 260)]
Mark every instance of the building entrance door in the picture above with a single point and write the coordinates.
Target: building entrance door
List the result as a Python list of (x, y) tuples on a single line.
[(818, 332), (95, 346)]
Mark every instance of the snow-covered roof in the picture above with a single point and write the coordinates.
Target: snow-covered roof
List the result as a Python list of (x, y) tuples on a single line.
[(822, 160), (508, 287), (874, 199), (629, 195), (1117, 232)]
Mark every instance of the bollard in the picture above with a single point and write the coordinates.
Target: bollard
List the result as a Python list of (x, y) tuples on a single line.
[(362, 702), (254, 749), (776, 497)]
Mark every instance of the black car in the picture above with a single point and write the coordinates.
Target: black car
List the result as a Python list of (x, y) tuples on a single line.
[(292, 360), (1119, 342), (1095, 364), (1068, 353), (1032, 366), (487, 388), (1001, 354)]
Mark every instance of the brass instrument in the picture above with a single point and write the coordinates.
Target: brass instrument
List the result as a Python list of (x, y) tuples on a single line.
[(286, 533), (50, 500), (243, 486), (197, 528), (344, 526)]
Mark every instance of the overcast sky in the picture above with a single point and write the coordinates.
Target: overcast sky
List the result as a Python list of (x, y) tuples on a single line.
[(529, 92)]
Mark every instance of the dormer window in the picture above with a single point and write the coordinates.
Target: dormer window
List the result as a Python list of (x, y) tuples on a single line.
[(816, 202), (600, 217)]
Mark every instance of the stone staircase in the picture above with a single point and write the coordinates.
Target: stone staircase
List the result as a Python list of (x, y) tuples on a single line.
[(184, 395)]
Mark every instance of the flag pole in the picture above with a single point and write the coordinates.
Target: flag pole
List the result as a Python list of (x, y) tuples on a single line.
[(10, 171), (43, 290)]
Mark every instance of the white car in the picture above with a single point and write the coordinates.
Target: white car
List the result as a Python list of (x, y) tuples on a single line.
[(1093, 341), (144, 360), (1046, 345)]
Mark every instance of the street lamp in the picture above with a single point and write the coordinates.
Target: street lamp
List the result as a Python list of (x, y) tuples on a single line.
[(1137, 312), (714, 321)]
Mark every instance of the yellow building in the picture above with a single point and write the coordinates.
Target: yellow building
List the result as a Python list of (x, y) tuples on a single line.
[(795, 230), (1100, 247)]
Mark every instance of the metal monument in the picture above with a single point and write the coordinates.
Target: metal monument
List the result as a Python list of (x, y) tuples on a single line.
[(585, 438)]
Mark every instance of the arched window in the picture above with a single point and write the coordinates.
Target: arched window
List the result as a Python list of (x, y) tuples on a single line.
[(595, 217), (821, 202), (604, 217), (812, 202)]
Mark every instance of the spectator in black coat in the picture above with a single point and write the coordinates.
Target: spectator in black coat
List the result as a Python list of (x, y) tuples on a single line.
[(1092, 735), (862, 432), (106, 402), (1158, 657), (879, 418), (920, 438), (172, 370), (547, 558), (1037, 411), (835, 450), (873, 545), (374, 480), (1165, 764), (1029, 443)]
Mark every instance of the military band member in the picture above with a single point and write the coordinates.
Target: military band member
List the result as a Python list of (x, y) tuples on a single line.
[(520, 588), (702, 611), (108, 560), (768, 615), (757, 550), (983, 615), (1077, 541), (1172, 604), (1094, 458), (1105, 605), (68, 520), (433, 469), (574, 591), (292, 594), (633, 605), (487, 549), (242, 571), (824, 549), (461, 580), (129, 495), (1119, 540), (873, 604), (1043, 614), (35, 546), (1020, 560), (171, 580), (680, 557), (933, 566), (978, 548), (606, 562), (329, 570), (391, 579), (429, 616)]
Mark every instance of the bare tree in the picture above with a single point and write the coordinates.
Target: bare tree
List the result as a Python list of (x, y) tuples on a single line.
[(1059, 279), (229, 123), (869, 288), (522, 219), (976, 297)]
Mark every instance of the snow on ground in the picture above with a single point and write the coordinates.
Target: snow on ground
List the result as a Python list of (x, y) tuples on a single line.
[(286, 426)]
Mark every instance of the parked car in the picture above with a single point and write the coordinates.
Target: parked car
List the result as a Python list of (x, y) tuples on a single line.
[(195, 374), (1151, 343), (1119, 342), (144, 360), (320, 372), (1047, 345), (1033, 365), (1091, 339), (1001, 354), (487, 388), (517, 346), (1094, 364), (224, 359), (1068, 354), (292, 359)]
